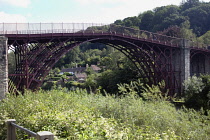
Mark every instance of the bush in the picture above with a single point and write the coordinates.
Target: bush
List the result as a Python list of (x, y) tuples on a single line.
[(197, 92), (68, 74), (49, 85), (56, 78), (146, 92), (79, 115)]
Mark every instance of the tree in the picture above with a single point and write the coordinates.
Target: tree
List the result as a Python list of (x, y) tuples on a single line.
[(189, 4), (109, 79), (90, 82), (186, 32), (199, 18), (163, 14), (129, 22), (197, 93), (11, 62), (146, 20), (205, 39), (71, 56), (118, 22)]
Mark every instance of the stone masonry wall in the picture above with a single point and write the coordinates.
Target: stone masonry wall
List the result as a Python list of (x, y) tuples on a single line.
[(3, 67), (185, 62)]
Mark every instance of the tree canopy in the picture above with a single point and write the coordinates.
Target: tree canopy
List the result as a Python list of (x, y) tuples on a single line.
[(160, 18)]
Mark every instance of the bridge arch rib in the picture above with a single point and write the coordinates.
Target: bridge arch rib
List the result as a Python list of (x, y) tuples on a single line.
[(35, 58), (199, 62)]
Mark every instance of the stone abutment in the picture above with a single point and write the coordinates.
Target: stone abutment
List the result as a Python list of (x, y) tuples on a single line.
[(3, 67)]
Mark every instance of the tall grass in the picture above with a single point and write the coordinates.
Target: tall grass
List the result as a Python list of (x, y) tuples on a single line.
[(79, 115)]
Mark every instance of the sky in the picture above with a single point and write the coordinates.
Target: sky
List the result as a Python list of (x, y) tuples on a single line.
[(75, 11)]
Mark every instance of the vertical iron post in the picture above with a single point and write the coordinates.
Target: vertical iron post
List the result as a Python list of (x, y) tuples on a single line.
[(16, 27), (28, 30), (40, 27), (73, 27), (52, 27), (62, 27), (3, 27)]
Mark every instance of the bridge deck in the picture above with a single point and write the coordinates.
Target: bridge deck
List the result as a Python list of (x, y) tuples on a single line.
[(19, 31)]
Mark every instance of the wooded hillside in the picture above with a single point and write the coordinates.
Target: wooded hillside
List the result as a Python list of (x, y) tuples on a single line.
[(190, 14)]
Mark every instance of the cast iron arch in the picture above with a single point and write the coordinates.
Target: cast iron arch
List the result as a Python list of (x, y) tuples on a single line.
[(198, 62), (34, 59)]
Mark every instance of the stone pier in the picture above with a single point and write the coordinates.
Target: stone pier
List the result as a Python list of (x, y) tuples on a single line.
[(185, 62), (181, 64), (3, 67)]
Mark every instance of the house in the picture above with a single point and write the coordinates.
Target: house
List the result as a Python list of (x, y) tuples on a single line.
[(79, 72), (80, 77), (95, 68), (73, 70), (80, 69)]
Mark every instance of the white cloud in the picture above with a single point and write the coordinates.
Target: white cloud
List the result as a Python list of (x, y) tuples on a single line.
[(12, 18), (134, 7), (120, 9), (19, 3), (101, 1)]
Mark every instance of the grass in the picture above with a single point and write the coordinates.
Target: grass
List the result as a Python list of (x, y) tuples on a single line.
[(79, 115)]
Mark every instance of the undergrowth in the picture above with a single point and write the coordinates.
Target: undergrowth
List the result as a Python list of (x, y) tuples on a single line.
[(80, 115)]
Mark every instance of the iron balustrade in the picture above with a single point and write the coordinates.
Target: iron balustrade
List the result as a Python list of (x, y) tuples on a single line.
[(11, 132), (93, 28)]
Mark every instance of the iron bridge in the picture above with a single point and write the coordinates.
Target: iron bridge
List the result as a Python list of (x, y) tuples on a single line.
[(38, 46)]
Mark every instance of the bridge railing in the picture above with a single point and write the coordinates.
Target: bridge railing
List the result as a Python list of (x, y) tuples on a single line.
[(11, 132), (150, 36), (34, 28), (93, 28), (155, 37), (198, 45)]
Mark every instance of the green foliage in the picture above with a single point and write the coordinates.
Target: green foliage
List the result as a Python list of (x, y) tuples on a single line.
[(199, 18), (166, 16), (132, 89), (155, 92), (129, 22), (205, 39), (55, 78), (186, 32), (193, 85), (146, 92), (146, 20), (79, 115), (90, 82), (49, 85), (197, 93), (11, 62), (194, 11), (71, 85), (67, 74), (187, 4), (109, 79), (71, 56)]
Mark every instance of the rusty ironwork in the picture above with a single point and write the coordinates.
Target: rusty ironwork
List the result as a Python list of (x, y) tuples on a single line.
[(39, 46)]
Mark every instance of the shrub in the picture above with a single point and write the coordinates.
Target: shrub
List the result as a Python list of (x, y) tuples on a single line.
[(146, 92), (197, 92), (49, 85), (193, 85), (79, 115), (68, 74), (55, 78)]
